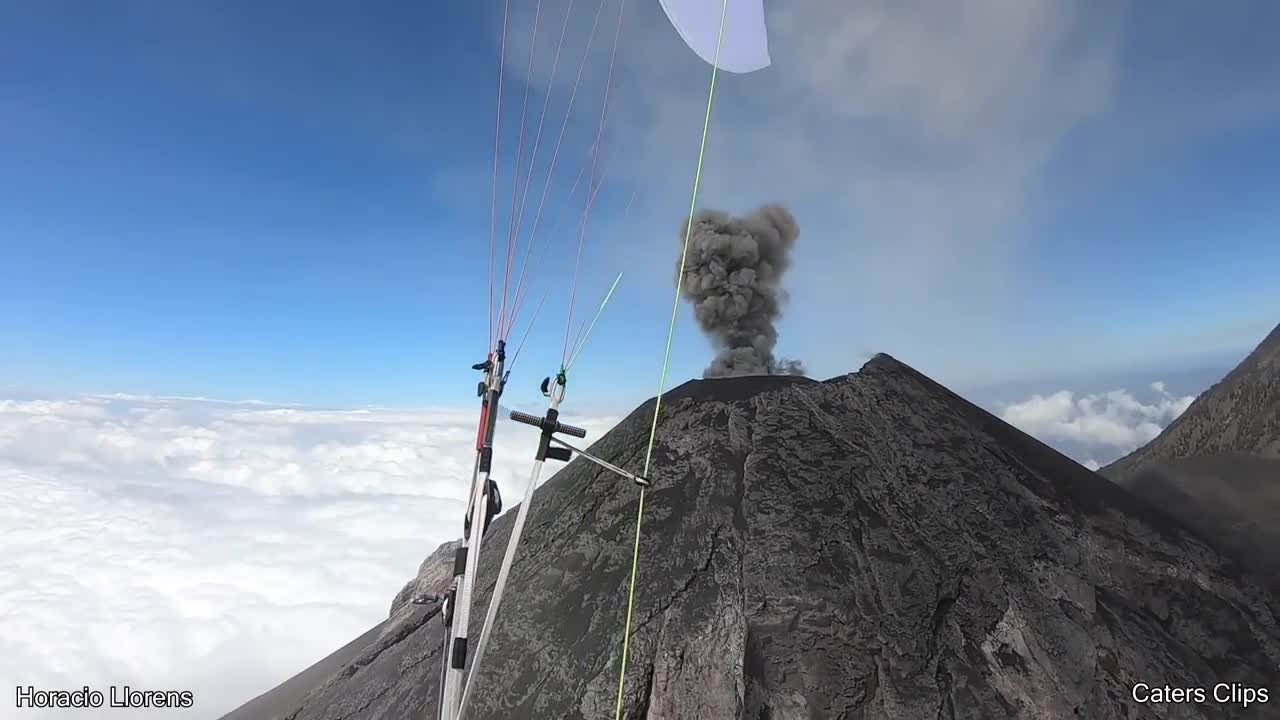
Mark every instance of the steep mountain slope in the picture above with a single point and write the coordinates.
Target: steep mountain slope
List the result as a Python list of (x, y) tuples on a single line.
[(869, 547), (1217, 467), (1231, 500), (1239, 415)]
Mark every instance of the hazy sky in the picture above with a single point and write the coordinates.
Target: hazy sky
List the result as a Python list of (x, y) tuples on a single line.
[(291, 201)]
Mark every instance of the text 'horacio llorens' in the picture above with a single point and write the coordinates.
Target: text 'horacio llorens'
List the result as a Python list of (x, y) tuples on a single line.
[(117, 697)]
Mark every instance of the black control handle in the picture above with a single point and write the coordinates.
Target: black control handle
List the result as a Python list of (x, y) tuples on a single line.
[(538, 422)]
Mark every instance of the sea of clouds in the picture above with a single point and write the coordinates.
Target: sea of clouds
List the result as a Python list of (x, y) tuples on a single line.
[(1096, 428), (217, 547)]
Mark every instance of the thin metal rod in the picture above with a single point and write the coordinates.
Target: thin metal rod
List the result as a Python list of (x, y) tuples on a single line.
[(603, 463)]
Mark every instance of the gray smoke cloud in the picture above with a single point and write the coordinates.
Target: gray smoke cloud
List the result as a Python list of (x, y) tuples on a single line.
[(733, 278)]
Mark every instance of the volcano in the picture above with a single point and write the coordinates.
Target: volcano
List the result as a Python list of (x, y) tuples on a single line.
[(872, 546)]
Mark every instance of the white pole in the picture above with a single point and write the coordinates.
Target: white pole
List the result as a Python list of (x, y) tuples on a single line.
[(456, 657), (557, 394), (448, 688)]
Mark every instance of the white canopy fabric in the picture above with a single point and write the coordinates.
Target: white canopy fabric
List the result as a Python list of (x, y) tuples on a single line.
[(745, 47)]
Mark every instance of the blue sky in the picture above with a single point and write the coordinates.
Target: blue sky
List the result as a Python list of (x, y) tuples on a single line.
[(290, 201)]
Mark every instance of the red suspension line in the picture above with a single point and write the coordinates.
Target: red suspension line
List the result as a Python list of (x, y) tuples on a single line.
[(504, 329), (520, 286), (577, 338), (497, 148), (515, 173), (586, 213), (564, 125)]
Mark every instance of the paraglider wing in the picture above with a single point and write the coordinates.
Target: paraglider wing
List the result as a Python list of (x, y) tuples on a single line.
[(745, 47)]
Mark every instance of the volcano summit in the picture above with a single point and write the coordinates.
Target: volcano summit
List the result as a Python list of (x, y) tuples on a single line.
[(872, 546)]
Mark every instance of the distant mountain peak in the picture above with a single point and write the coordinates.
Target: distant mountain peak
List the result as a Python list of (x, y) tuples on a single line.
[(1217, 466), (1238, 415)]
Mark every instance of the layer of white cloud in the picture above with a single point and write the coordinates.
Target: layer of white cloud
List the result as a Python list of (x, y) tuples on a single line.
[(216, 547), (1115, 422)]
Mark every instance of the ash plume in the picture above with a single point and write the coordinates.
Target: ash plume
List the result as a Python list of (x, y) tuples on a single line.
[(733, 277)]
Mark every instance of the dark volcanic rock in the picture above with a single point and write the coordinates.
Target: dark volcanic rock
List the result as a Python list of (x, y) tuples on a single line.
[(1239, 415), (1217, 467), (869, 547), (1231, 500)]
